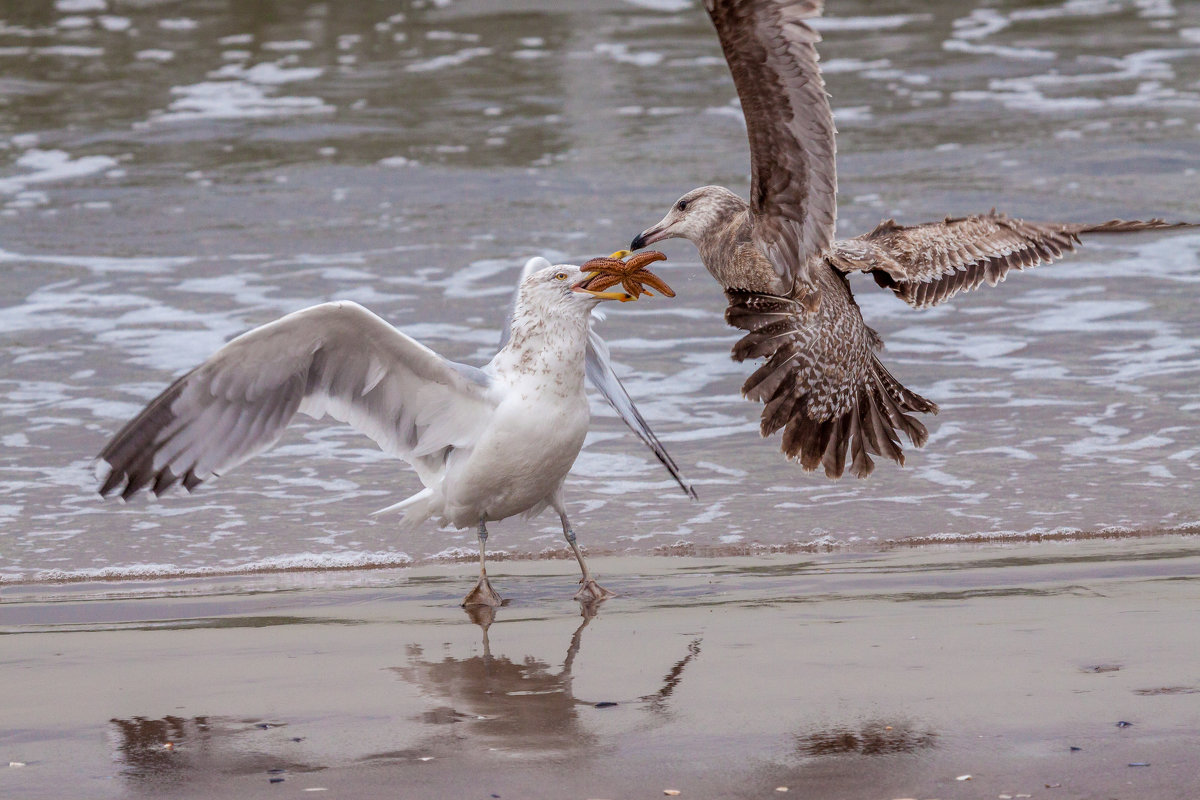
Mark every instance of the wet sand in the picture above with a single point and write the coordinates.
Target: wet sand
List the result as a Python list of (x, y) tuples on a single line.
[(881, 675)]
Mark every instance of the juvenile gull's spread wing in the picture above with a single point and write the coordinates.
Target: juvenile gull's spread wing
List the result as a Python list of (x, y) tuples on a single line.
[(930, 263), (772, 55), (822, 382), (337, 359)]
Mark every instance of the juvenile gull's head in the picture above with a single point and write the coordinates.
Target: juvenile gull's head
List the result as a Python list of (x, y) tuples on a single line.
[(693, 216)]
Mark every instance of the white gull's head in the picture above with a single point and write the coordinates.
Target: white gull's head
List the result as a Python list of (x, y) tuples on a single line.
[(552, 296)]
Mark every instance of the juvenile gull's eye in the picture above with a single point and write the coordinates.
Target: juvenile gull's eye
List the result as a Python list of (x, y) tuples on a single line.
[(681, 205)]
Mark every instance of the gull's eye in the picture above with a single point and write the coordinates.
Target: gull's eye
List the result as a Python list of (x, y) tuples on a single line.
[(681, 205), (560, 276)]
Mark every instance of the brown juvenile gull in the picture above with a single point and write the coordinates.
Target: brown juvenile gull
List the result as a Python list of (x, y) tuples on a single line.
[(486, 443), (784, 274)]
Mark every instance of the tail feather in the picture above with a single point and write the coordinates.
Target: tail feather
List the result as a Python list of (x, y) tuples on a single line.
[(417, 508), (829, 400)]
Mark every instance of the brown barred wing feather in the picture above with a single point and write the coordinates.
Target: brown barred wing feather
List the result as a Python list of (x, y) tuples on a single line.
[(772, 55), (930, 263)]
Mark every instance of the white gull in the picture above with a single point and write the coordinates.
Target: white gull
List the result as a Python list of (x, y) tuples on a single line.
[(487, 443)]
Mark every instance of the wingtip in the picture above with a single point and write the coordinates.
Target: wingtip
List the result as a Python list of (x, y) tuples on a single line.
[(111, 482)]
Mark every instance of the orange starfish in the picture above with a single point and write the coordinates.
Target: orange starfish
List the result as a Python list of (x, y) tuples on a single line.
[(608, 271)]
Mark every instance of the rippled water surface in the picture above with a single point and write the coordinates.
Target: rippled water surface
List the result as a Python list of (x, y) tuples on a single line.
[(173, 173)]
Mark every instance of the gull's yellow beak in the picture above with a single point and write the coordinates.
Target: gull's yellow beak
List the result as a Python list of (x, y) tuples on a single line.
[(622, 296), (579, 287)]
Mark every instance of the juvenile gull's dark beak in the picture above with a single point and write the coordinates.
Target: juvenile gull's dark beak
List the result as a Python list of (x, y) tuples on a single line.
[(648, 236)]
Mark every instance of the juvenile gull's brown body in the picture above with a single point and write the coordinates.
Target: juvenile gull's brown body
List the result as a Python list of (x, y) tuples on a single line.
[(784, 273)]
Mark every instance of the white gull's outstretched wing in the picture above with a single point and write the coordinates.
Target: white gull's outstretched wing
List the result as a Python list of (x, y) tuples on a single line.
[(772, 56), (337, 359)]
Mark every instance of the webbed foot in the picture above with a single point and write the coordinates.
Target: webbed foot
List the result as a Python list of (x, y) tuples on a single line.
[(593, 592), (483, 595)]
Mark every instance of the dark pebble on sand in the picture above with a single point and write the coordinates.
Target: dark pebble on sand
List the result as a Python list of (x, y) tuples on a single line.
[(263, 725), (1075, 749), (605, 704), (275, 780), (297, 738), (276, 771), (1124, 724), (1139, 763)]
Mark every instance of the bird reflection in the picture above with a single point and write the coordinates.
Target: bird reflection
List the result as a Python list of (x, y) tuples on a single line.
[(526, 703), (159, 753), (148, 747), (872, 738), (658, 700)]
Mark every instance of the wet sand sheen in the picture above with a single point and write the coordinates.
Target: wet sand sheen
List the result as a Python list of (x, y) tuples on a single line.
[(837, 675)]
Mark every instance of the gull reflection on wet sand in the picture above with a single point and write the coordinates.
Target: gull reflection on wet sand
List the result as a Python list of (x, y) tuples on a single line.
[(872, 738), (523, 704), (157, 754)]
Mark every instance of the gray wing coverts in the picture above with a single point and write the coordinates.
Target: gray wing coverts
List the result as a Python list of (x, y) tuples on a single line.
[(772, 56), (930, 263), (337, 359)]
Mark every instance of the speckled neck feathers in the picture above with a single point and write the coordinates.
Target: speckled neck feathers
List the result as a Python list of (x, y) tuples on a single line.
[(548, 339)]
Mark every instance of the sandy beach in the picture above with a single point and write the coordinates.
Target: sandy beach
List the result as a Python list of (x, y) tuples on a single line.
[(838, 675)]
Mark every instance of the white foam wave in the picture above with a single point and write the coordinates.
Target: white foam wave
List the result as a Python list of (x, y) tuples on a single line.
[(52, 165), (620, 53), (80, 6), (234, 100), (1020, 53), (99, 264), (286, 563), (267, 73), (70, 51), (449, 60), (459, 554), (879, 23), (979, 23)]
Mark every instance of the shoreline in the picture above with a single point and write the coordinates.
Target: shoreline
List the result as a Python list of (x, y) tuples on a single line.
[(351, 562)]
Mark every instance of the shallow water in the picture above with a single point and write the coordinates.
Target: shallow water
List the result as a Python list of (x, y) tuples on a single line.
[(171, 175)]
